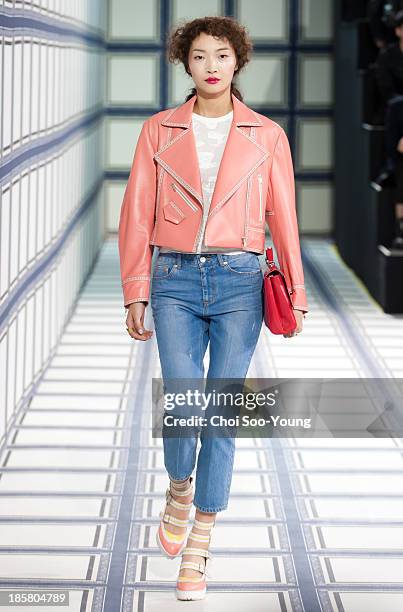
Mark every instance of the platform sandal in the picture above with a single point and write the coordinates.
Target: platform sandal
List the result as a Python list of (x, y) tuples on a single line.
[(172, 544), (187, 588)]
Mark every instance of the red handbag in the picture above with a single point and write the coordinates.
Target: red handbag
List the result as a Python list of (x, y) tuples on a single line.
[(278, 311)]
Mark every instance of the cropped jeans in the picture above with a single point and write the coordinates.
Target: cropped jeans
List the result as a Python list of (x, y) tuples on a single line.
[(197, 299)]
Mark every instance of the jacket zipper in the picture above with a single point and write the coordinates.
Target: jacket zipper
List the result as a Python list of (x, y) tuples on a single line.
[(177, 209), (260, 181), (245, 232), (200, 233), (184, 197)]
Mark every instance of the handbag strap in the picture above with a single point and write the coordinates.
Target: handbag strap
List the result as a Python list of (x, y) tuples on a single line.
[(274, 270), (270, 259)]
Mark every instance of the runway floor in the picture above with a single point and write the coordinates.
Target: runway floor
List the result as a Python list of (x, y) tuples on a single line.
[(318, 523)]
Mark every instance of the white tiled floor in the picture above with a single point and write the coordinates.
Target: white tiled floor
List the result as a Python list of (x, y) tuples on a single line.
[(308, 519)]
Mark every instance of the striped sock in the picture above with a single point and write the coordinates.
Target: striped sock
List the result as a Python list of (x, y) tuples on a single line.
[(172, 537), (180, 484)]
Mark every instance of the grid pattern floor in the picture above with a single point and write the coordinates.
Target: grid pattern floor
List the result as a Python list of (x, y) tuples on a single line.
[(312, 524)]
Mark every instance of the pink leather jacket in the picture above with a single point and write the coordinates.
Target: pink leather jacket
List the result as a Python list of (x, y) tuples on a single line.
[(163, 203)]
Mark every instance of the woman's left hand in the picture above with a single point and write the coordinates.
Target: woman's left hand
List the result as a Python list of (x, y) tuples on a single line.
[(299, 316)]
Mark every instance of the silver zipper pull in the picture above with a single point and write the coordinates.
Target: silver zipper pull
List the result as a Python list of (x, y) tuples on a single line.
[(260, 181)]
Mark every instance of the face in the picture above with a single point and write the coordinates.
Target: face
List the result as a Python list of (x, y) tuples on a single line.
[(214, 58)]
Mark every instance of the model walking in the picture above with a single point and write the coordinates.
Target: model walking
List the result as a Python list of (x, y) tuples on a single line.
[(205, 177)]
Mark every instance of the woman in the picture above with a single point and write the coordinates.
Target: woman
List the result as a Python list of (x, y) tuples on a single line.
[(205, 177)]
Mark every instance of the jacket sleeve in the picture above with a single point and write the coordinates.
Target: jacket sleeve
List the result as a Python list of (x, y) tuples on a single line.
[(136, 222), (282, 221)]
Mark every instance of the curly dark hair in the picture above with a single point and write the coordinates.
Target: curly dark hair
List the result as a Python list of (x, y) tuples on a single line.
[(181, 37)]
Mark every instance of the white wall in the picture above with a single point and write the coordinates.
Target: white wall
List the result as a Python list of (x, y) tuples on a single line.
[(51, 181)]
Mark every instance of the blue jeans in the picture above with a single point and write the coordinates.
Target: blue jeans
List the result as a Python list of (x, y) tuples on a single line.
[(196, 299)]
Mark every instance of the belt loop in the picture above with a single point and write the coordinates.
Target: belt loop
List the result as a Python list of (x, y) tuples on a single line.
[(220, 258), (179, 260)]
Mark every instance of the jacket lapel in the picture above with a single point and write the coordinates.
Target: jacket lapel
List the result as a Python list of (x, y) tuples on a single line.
[(240, 157), (179, 158)]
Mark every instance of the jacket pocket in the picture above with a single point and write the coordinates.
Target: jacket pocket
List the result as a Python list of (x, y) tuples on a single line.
[(184, 197), (260, 185), (173, 213)]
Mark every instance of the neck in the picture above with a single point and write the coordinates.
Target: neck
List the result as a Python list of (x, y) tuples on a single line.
[(213, 106)]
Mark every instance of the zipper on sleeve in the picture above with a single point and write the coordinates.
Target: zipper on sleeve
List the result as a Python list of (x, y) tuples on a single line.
[(184, 197), (260, 183)]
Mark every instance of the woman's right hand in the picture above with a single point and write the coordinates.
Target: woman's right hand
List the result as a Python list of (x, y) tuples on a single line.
[(135, 321)]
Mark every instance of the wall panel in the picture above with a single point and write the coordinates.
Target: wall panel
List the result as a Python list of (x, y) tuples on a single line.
[(51, 178), (290, 80)]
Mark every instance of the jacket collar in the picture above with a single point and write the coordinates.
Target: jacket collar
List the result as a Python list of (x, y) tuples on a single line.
[(242, 154), (182, 115)]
